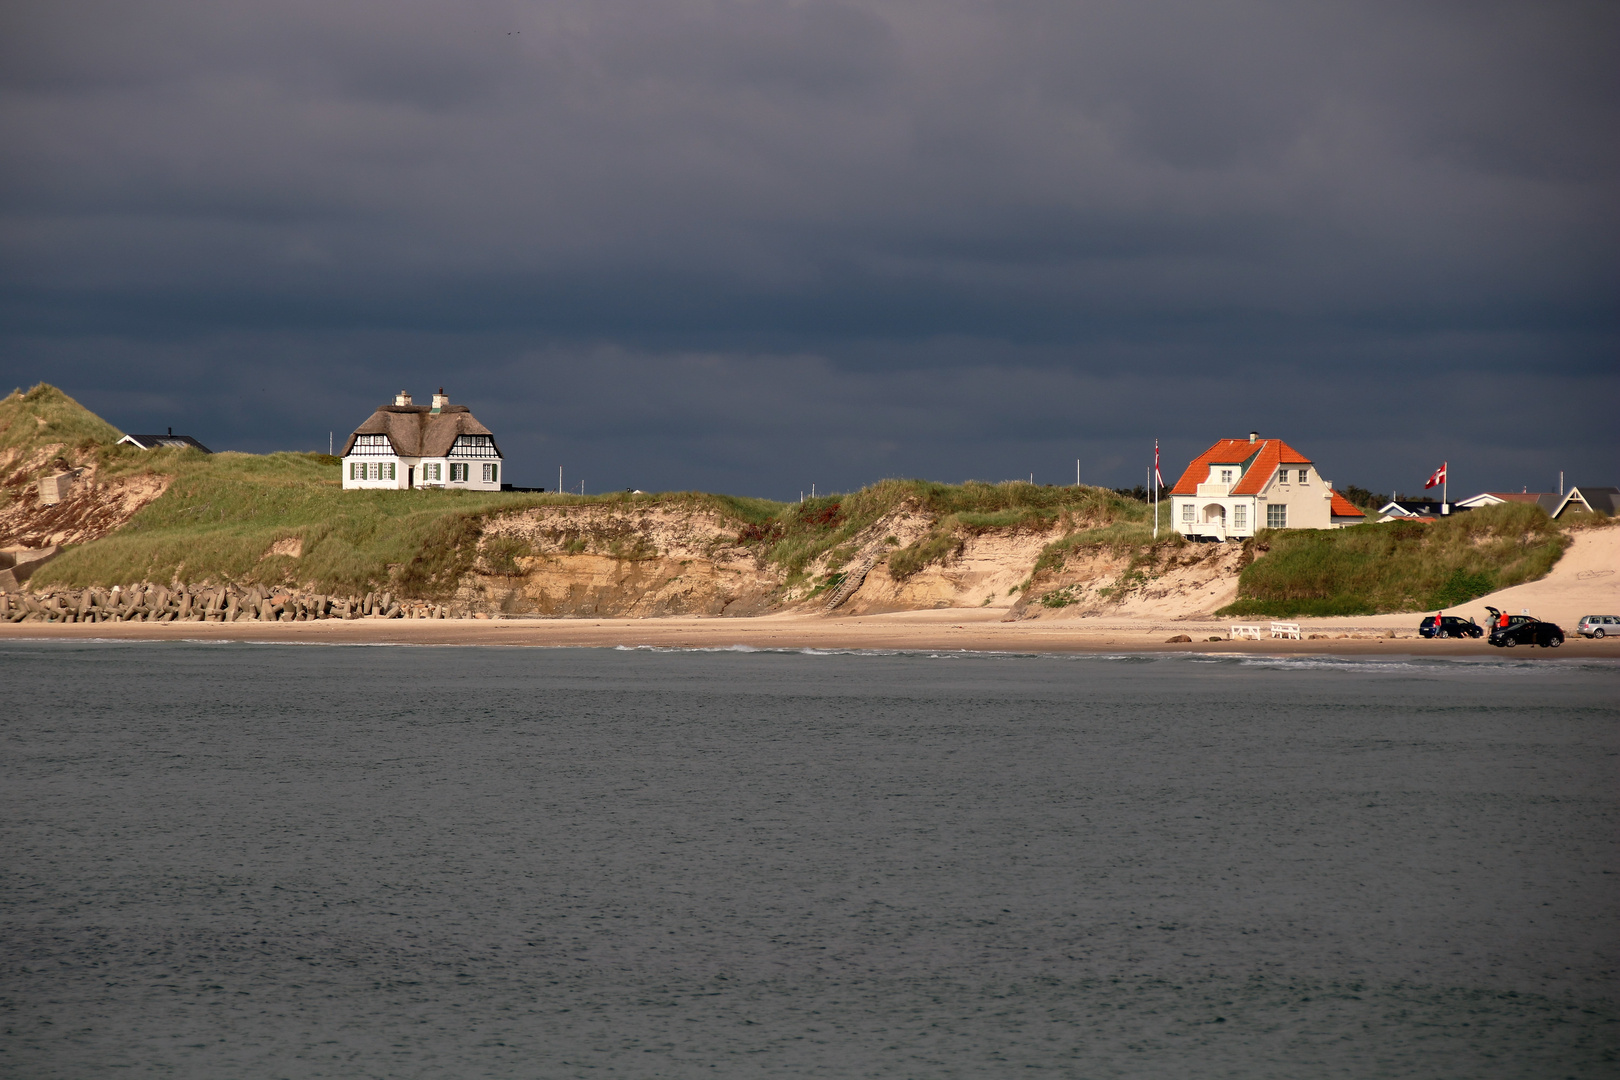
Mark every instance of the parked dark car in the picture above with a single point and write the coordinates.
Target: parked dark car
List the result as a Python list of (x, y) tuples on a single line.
[(1525, 630), (1450, 626)]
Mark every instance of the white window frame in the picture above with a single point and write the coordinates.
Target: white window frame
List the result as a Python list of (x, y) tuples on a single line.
[(1303, 473), (371, 445), (1189, 513), (477, 446), (459, 471), (1240, 516), (1276, 515), (1226, 476), (492, 474)]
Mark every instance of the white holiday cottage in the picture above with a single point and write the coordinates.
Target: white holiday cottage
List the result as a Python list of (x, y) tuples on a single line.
[(416, 446), (1239, 486)]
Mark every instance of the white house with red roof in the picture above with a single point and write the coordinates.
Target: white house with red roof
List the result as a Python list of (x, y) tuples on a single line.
[(1239, 486)]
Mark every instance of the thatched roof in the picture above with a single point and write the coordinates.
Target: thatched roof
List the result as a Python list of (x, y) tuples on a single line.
[(416, 431)]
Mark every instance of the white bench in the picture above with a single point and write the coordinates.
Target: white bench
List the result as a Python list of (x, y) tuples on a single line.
[(1285, 630), (1241, 630)]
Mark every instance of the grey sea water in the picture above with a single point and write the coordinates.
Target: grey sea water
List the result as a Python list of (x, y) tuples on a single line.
[(227, 860)]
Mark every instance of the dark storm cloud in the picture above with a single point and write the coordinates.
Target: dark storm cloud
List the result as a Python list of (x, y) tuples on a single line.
[(744, 241)]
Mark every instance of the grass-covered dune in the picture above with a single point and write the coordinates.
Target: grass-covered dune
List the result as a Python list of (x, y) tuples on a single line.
[(801, 533), (45, 417), (284, 518), (224, 514), (1399, 565)]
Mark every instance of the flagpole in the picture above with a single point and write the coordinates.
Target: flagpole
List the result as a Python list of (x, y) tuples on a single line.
[(1155, 489)]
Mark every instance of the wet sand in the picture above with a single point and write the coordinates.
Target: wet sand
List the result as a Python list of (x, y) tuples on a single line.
[(972, 630)]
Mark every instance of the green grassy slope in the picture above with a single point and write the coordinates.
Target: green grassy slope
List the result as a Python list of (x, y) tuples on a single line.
[(224, 511), (45, 416), (804, 532), (1398, 566)]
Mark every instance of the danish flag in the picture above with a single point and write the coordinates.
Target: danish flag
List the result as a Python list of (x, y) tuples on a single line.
[(1158, 481), (1437, 479)]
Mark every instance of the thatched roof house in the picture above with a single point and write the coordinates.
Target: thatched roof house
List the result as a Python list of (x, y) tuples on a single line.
[(405, 445)]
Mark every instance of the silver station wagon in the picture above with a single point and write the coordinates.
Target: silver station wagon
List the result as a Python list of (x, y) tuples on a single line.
[(1598, 625)]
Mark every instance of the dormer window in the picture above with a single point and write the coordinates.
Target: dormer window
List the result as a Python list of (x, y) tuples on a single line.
[(371, 444), (473, 446), (1226, 476)]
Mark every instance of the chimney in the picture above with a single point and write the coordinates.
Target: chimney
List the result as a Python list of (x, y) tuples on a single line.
[(1254, 436), (402, 398), (439, 401)]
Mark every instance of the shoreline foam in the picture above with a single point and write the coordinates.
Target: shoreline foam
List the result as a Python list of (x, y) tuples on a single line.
[(969, 631)]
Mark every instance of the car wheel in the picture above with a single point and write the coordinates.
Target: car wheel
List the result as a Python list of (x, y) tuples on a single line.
[(1598, 632), (1555, 642), (1509, 642)]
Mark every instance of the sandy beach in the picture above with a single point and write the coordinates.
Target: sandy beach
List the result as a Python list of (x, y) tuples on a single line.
[(924, 630)]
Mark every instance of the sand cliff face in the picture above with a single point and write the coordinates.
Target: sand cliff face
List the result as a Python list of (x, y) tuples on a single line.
[(986, 571), (92, 506), (1176, 581), (612, 561), (609, 561)]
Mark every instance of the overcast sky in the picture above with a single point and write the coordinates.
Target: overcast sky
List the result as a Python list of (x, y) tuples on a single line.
[(753, 246)]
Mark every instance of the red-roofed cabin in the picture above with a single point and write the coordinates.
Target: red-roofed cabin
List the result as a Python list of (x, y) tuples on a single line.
[(1239, 486)]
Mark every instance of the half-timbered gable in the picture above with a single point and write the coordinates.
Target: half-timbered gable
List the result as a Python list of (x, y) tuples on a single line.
[(405, 445)]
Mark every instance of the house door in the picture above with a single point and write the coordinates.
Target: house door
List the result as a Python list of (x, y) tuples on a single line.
[(410, 476)]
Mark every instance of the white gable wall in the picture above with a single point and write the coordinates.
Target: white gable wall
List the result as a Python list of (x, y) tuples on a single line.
[(1308, 503)]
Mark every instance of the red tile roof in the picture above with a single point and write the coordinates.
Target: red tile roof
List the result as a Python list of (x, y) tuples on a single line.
[(1267, 454), (1343, 507)]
